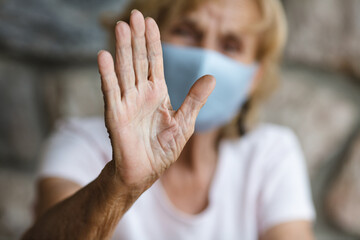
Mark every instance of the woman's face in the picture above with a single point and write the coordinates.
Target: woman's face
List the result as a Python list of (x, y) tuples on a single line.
[(224, 26)]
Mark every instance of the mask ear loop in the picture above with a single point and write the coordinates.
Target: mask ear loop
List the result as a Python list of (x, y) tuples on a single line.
[(241, 126)]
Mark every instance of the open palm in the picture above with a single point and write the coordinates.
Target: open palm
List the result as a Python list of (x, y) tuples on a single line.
[(147, 135)]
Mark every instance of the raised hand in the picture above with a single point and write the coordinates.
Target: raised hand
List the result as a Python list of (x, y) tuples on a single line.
[(147, 135)]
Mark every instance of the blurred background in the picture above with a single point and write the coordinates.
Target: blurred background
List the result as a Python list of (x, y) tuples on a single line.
[(48, 70)]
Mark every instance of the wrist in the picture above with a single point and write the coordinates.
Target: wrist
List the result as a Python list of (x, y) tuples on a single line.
[(112, 187)]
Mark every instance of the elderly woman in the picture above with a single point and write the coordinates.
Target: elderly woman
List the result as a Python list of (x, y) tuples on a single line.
[(171, 170)]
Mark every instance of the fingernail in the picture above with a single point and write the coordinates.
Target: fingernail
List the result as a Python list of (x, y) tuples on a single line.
[(99, 52), (133, 11), (118, 22)]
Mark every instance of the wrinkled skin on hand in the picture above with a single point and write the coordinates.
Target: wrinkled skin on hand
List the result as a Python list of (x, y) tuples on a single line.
[(146, 134)]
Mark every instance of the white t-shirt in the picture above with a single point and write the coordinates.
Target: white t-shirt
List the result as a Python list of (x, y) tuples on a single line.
[(260, 181)]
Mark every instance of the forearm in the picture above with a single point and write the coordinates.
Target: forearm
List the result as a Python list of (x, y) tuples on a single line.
[(91, 213)]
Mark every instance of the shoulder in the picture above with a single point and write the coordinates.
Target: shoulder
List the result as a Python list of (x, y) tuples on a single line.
[(89, 131), (77, 149), (266, 147), (75, 124), (267, 132), (266, 138)]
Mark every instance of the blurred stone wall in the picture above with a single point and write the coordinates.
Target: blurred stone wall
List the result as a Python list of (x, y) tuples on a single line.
[(325, 33), (48, 71)]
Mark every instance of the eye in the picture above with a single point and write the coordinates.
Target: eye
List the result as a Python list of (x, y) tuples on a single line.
[(232, 45), (186, 33), (183, 31)]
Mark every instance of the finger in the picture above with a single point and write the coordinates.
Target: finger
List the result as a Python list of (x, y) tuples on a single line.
[(194, 101), (109, 84), (154, 50), (124, 61), (141, 66)]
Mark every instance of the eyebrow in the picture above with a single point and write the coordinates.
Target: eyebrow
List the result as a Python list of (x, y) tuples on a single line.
[(189, 22)]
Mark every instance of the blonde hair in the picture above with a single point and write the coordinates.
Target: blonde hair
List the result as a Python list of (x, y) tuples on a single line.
[(273, 30)]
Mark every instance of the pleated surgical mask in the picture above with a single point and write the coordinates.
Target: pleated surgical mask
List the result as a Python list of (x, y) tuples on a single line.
[(184, 65)]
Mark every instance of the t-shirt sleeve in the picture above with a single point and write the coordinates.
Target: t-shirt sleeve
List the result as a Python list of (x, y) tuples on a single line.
[(70, 155), (286, 194)]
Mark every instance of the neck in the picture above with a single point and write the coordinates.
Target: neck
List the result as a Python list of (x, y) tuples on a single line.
[(200, 151)]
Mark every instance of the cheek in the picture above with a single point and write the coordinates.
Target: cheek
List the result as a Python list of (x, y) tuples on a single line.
[(253, 45), (255, 83), (250, 51)]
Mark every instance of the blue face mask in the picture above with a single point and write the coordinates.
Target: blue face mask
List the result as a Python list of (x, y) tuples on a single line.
[(184, 65)]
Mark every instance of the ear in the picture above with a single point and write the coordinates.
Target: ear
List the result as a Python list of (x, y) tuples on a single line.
[(257, 79)]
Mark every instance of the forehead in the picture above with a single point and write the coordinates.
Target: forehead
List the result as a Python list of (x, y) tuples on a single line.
[(227, 15)]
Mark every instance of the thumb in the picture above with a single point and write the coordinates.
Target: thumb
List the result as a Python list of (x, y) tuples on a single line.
[(194, 101)]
